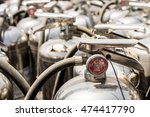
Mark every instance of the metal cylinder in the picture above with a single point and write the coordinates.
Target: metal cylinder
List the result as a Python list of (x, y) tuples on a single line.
[(78, 88), (18, 55), (28, 25), (49, 53)]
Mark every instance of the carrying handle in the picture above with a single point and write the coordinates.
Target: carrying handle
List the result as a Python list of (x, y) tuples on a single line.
[(140, 4), (57, 16), (120, 26), (96, 45), (30, 2)]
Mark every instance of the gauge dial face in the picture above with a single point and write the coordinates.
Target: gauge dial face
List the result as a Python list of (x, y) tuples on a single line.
[(97, 65)]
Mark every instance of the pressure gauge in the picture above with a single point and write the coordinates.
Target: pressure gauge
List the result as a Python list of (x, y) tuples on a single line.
[(97, 65)]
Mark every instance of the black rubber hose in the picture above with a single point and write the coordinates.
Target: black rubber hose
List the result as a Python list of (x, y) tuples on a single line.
[(18, 13), (39, 82), (70, 53), (12, 73), (103, 10)]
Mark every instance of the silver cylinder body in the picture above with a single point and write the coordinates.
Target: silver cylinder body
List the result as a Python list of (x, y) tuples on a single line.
[(18, 54), (50, 52), (79, 88)]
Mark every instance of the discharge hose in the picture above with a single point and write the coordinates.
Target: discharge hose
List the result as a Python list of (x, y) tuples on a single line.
[(13, 74), (39, 82), (70, 53)]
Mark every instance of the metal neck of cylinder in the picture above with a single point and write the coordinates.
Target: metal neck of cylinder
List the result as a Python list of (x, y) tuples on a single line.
[(96, 79)]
